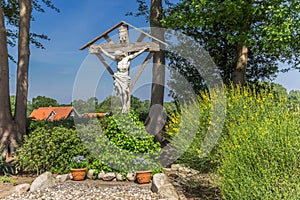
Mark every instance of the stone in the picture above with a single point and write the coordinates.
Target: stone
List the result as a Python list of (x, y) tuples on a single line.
[(131, 176), (109, 176), (62, 178), (20, 189), (90, 174), (119, 177), (167, 170), (162, 186), (43, 181), (70, 176), (175, 167), (100, 175)]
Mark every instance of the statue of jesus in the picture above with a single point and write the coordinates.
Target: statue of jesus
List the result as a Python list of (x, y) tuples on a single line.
[(121, 77)]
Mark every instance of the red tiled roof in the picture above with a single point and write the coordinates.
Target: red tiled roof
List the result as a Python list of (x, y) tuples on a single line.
[(43, 113), (61, 113), (94, 114), (40, 114)]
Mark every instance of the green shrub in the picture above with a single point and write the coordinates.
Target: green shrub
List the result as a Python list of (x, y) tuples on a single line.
[(189, 127), (5, 168), (120, 143), (49, 149), (128, 133), (257, 155), (32, 125), (259, 151), (98, 166), (5, 179)]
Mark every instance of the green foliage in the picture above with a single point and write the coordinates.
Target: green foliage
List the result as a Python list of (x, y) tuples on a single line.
[(42, 101), (5, 168), (259, 148), (140, 107), (111, 103), (87, 106), (98, 166), (294, 99), (32, 125), (11, 12), (127, 132), (5, 179), (49, 149), (78, 162), (187, 128), (257, 155), (268, 28), (12, 104), (122, 141)]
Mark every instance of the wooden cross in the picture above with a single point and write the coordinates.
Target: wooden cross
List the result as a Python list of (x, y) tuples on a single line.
[(126, 46)]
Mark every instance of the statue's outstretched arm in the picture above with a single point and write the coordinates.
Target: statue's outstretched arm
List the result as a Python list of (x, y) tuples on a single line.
[(107, 54), (138, 53)]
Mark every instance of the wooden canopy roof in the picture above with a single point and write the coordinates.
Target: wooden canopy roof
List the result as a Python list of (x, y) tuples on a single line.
[(105, 34)]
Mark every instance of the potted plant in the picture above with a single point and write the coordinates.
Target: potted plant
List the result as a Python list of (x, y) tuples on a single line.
[(143, 172), (78, 168)]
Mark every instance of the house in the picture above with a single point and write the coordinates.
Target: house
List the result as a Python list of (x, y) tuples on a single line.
[(53, 113), (90, 115)]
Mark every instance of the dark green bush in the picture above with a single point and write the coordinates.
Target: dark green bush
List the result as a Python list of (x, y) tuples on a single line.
[(5, 168), (49, 149), (121, 142), (32, 125), (128, 133)]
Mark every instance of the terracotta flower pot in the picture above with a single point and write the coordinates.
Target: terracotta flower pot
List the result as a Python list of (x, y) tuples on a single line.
[(143, 176), (78, 174)]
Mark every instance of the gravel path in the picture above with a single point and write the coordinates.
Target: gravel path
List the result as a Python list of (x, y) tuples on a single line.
[(71, 190)]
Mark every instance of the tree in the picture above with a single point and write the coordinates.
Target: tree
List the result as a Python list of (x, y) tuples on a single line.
[(154, 15), (294, 99), (158, 72), (110, 103), (87, 106), (247, 39), (42, 101), (17, 15)]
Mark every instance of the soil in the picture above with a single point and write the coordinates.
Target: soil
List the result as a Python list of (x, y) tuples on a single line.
[(13, 181)]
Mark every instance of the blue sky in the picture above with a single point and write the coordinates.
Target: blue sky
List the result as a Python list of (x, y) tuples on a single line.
[(53, 71)]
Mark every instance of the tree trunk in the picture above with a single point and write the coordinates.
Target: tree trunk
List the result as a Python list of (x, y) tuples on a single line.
[(13, 129), (6, 121), (23, 63), (239, 72), (155, 121)]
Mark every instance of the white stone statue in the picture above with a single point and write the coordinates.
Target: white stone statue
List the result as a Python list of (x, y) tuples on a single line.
[(121, 77)]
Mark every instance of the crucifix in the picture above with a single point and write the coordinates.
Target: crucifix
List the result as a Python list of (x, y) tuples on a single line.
[(123, 52)]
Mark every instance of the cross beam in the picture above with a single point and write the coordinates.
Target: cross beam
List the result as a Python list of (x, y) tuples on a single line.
[(129, 47)]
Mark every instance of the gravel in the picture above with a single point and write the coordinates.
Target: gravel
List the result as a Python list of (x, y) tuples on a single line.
[(73, 190)]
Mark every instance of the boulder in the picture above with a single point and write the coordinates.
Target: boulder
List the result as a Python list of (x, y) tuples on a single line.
[(90, 174), (43, 181), (131, 176), (175, 167), (100, 175), (162, 186), (71, 176), (119, 177), (62, 178), (20, 189), (109, 176)]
